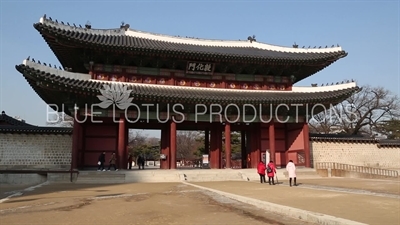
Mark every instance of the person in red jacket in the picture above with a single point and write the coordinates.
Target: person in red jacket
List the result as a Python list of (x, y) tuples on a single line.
[(261, 171), (271, 171)]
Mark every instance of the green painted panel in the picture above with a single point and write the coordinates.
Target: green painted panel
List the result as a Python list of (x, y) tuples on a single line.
[(108, 68), (148, 71), (203, 77), (277, 79), (244, 77)]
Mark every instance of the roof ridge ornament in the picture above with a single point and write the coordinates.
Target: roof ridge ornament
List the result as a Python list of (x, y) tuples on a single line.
[(124, 26), (88, 25), (252, 38), (296, 45)]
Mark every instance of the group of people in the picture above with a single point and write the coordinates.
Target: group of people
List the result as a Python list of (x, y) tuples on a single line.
[(112, 162), (140, 162), (270, 171)]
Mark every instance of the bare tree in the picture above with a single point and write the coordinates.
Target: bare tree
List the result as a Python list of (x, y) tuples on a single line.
[(140, 144), (60, 120), (136, 138), (359, 114), (187, 144)]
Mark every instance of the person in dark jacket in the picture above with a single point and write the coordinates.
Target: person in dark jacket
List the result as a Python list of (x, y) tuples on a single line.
[(140, 162), (102, 159), (261, 171)]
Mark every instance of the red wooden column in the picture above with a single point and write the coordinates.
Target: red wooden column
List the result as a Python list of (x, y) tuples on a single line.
[(219, 149), (75, 143), (165, 138), (255, 152), (121, 157), (284, 163), (306, 135), (228, 151), (258, 144), (252, 149), (215, 147), (172, 161), (272, 140)]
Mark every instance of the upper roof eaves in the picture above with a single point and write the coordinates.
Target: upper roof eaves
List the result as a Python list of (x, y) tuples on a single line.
[(75, 77), (184, 40)]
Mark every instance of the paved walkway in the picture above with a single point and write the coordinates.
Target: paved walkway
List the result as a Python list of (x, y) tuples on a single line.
[(339, 197)]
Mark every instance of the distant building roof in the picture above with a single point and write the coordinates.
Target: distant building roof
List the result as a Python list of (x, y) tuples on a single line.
[(355, 138), (9, 124)]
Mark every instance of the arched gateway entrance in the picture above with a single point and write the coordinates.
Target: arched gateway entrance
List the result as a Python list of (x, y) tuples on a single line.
[(118, 79)]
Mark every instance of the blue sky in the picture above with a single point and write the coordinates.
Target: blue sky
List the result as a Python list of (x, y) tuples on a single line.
[(368, 30)]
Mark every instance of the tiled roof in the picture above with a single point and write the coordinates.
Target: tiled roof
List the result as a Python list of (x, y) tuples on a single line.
[(15, 126), (340, 137), (35, 130), (354, 138), (11, 121), (162, 93), (126, 39), (389, 143)]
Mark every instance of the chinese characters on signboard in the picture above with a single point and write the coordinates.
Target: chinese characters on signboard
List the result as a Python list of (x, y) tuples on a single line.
[(200, 68)]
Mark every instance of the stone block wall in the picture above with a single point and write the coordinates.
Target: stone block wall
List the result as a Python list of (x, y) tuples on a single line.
[(35, 151), (355, 153)]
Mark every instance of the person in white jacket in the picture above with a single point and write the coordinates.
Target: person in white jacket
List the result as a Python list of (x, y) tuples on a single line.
[(291, 169)]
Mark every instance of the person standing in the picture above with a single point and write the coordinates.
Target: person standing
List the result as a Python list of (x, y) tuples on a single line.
[(130, 159), (291, 169), (261, 171), (271, 171), (248, 161), (102, 159), (113, 162), (140, 162)]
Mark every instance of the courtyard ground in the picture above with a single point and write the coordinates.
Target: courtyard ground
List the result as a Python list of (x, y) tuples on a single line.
[(138, 203), (362, 200)]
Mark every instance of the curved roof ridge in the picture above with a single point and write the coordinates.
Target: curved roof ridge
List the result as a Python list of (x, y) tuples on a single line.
[(324, 88), (190, 41)]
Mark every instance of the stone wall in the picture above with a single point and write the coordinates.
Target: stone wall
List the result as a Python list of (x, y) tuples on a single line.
[(355, 153), (53, 151), (35, 151)]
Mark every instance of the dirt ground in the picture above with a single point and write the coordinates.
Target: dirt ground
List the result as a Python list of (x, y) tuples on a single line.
[(388, 186), (139, 203)]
